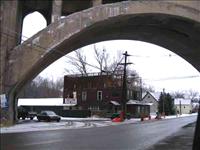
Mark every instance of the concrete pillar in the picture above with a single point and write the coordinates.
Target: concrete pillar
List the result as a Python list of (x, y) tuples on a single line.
[(56, 10), (10, 37), (96, 2)]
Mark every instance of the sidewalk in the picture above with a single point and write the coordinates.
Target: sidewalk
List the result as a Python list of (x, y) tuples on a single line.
[(181, 140)]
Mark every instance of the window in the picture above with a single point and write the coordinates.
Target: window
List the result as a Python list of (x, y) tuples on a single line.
[(128, 94), (131, 93), (99, 95), (115, 93), (104, 85), (84, 96)]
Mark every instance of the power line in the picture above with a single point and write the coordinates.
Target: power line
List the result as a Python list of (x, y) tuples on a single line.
[(173, 78)]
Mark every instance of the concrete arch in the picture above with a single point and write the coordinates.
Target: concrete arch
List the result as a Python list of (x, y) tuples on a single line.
[(170, 25)]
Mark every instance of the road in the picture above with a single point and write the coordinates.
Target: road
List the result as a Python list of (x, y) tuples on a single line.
[(135, 136), (181, 140)]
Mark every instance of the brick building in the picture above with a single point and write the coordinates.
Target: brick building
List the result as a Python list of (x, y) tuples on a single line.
[(99, 91)]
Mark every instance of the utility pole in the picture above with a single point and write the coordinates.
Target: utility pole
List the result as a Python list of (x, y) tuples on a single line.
[(180, 107), (124, 86), (141, 89), (163, 102)]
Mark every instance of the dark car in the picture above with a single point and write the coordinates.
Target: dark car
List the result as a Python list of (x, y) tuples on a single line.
[(23, 113), (48, 116)]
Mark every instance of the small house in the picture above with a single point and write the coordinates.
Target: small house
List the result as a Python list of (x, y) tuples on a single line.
[(152, 100), (183, 106)]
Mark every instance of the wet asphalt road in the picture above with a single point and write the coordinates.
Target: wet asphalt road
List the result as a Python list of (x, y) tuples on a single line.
[(181, 140), (137, 136)]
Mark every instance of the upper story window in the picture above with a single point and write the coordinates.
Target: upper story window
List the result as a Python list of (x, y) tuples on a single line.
[(89, 85), (128, 94), (115, 93), (99, 95), (84, 96)]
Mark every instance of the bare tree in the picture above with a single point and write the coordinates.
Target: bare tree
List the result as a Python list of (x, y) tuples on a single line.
[(79, 62), (186, 94), (105, 64), (41, 87), (148, 88), (104, 61), (178, 94), (114, 66), (102, 58), (192, 94)]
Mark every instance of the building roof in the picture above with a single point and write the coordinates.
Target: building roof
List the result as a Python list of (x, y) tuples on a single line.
[(183, 101), (155, 95), (136, 102), (115, 103), (42, 102)]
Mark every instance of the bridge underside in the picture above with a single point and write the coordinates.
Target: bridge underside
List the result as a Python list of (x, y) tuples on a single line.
[(174, 33), (177, 34)]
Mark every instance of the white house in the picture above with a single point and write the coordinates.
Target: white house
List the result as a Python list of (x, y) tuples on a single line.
[(183, 106), (152, 100)]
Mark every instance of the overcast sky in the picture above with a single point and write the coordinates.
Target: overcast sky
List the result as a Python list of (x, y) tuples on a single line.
[(157, 66)]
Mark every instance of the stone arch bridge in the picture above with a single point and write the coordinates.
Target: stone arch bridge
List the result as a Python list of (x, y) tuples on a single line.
[(174, 25)]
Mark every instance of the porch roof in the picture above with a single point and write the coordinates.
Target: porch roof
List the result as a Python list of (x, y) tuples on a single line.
[(136, 102), (115, 103)]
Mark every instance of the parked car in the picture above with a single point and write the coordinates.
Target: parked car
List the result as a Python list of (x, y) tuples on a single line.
[(48, 116), (23, 113)]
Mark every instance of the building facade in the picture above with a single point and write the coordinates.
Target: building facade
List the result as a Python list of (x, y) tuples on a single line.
[(183, 106), (99, 92), (152, 100), (53, 104)]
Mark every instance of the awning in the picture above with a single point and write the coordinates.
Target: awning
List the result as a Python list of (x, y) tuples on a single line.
[(136, 102), (114, 103)]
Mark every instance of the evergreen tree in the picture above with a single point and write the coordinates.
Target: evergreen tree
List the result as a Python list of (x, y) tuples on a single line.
[(166, 104)]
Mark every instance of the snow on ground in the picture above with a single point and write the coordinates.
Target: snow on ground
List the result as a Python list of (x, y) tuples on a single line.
[(84, 119), (72, 123)]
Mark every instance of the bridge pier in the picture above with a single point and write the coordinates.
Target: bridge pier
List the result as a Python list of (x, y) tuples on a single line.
[(9, 113), (56, 10), (96, 2), (11, 25)]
